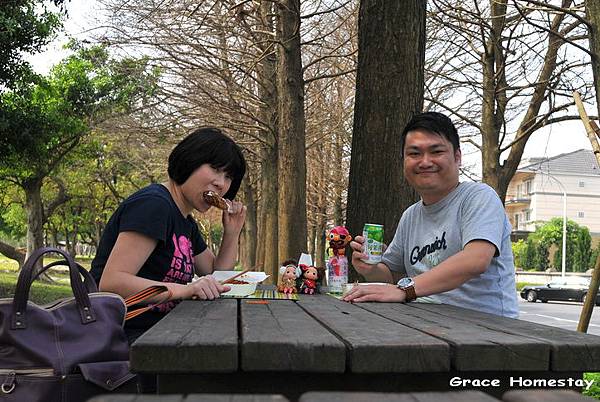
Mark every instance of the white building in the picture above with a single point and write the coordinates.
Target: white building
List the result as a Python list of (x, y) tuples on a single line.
[(536, 192)]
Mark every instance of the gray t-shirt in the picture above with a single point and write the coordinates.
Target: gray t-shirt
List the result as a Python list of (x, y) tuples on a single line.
[(429, 234)]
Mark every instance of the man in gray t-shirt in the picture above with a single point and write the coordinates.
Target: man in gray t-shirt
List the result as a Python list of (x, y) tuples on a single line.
[(454, 244)]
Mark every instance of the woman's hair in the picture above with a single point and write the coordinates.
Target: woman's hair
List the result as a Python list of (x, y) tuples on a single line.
[(208, 145)]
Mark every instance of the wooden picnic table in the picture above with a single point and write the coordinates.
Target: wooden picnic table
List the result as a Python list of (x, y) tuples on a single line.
[(319, 343)]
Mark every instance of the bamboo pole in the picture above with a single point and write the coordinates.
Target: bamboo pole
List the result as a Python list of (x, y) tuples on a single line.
[(592, 131)]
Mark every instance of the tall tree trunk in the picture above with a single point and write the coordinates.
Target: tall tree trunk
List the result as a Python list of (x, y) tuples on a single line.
[(311, 241), (267, 256), (291, 129), (389, 91), (248, 243), (592, 11), (35, 216), (269, 212), (495, 173), (338, 186)]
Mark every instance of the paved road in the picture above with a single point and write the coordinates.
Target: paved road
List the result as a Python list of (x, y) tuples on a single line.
[(558, 314)]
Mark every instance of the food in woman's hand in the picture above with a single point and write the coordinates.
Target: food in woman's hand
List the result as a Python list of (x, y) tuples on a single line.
[(216, 200)]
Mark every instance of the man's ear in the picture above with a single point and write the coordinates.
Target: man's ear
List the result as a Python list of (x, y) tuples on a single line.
[(458, 156)]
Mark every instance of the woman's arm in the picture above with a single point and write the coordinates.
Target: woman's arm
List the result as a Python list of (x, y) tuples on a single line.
[(206, 263), (130, 252)]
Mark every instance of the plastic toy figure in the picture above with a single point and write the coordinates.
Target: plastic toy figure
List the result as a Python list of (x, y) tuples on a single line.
[(339, 238), (310, 275), (337, 265), (289, 273)]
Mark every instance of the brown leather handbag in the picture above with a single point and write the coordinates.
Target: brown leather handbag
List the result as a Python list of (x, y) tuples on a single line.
[(69, 350)]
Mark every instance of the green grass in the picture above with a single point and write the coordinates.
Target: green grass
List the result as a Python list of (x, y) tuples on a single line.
[(40, 292), (594, 391)]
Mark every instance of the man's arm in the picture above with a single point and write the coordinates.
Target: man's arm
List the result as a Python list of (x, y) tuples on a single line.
[(469, 263)]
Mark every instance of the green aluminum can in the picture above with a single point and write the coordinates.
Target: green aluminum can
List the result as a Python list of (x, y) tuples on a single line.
[(373, 235)]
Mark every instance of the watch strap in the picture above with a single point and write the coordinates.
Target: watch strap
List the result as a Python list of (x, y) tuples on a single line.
[(410, 294)]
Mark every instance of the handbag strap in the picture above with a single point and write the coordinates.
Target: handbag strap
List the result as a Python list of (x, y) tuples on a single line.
[(144, 295), (19, 311), (88, 280)]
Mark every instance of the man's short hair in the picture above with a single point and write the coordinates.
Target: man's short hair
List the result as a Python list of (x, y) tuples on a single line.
[(433, 122), (208, 145)]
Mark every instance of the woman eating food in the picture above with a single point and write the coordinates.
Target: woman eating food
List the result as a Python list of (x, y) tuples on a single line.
[(152, 239)]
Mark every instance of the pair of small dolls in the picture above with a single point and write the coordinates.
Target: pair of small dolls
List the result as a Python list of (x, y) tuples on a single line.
[(300, 277)]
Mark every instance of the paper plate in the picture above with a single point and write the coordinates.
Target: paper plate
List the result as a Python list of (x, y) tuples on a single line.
[(250, 277), (241, 290)]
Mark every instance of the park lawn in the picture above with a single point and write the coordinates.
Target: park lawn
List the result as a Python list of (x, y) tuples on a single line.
[(41, 292)]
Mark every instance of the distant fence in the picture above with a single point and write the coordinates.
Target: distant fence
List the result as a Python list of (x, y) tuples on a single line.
[(544, 277)]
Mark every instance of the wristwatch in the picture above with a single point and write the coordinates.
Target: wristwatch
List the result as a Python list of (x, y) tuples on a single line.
[(408, 285)]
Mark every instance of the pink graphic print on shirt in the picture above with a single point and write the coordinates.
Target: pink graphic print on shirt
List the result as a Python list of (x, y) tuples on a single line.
[(182, 266)]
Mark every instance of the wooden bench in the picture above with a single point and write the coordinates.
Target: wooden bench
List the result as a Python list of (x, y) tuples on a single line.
[(452, 396), (190, 398)]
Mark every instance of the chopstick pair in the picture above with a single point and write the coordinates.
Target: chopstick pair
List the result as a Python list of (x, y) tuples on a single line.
[(229, 280)]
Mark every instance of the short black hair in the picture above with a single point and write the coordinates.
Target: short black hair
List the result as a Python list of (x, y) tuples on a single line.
[(208, 145), (434, 122)]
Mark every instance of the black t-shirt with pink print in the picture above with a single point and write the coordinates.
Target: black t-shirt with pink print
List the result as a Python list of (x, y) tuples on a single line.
[(151, 211)]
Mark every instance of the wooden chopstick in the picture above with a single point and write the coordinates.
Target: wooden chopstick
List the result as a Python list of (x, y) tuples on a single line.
[(229, 280)]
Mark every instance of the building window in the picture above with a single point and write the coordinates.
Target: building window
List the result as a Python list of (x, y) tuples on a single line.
[(581, 184), (580, 214), (527, 215), (517, 221), (528, 187), (519, 190)]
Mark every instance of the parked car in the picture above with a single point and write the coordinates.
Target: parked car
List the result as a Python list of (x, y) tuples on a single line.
[(570, 288)]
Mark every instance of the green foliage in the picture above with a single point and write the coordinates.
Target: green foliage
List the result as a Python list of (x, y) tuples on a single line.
[(534, 253), (42, 122), (519, 250), (44, 125), (26, 26), (594, 391)]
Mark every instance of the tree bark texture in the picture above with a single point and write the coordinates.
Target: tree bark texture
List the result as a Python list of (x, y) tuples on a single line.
[(35, 216), (389, 91), (592, 11), (291, 139), (12, 252), (248, 240)]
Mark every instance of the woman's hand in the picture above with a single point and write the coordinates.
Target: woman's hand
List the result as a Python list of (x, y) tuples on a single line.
[(206, 288), (234, 220)]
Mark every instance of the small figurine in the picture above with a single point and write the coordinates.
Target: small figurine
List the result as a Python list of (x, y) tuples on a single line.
[(310, 275), (337, 265), (339, 237), (289, 272)]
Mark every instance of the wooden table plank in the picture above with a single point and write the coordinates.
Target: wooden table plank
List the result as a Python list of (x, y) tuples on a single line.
[(473, 346), (376, 344), (569, 350), (457, 396), (201, 336), (280, 335)]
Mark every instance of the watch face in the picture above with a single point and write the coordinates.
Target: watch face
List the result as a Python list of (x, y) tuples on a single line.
[(405, 282)]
